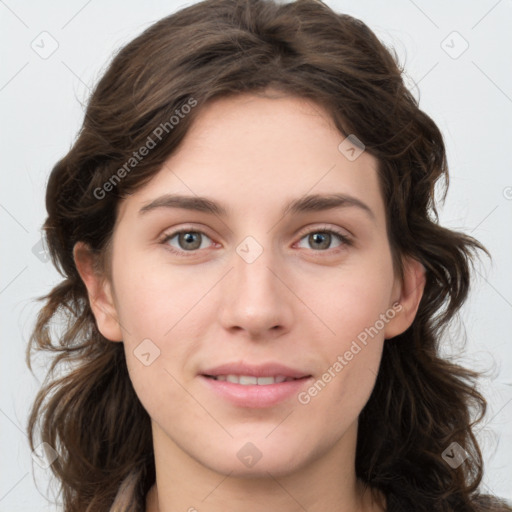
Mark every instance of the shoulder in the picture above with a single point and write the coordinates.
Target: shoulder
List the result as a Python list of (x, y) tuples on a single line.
[(479, 503), (487, 503)]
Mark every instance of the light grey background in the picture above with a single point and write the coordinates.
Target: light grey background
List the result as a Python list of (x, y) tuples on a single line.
[(468, 93)]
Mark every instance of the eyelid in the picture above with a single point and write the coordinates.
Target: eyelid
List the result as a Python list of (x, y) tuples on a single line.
[(344, 235), (170, 232)]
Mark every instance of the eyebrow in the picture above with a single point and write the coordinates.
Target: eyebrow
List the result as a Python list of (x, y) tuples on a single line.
[(309, 203)]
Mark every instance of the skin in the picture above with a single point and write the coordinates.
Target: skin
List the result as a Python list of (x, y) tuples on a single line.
[(296, 304)]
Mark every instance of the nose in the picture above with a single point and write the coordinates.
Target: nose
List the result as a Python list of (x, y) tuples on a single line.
[(256, 298)]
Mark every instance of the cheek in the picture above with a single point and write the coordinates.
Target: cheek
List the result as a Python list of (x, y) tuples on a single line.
[(155, 300), (337, 396), (354, 298), (355, 307), (153, 308)]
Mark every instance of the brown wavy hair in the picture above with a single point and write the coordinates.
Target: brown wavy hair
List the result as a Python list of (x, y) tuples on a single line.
[(87, 408)]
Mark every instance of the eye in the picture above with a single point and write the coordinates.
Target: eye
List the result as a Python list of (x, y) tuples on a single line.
[(188, 240), (320, 239)]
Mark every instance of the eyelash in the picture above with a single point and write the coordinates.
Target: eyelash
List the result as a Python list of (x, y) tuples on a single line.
[(344, 239)]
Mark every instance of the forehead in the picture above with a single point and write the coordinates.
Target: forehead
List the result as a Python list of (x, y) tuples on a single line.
[(255, 153)]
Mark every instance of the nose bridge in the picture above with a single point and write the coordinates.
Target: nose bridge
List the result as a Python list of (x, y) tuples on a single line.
[(255, 299), (252, 262)]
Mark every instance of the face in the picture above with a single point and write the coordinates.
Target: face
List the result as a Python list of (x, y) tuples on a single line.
[(219, 301)]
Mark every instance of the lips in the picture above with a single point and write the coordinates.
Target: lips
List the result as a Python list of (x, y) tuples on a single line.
[(238, 370), (250, 386), (251, 380)]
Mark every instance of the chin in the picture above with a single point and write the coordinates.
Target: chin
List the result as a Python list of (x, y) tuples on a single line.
[(246, 458)]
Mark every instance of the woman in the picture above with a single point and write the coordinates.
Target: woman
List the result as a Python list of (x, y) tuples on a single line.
[(255, 279)]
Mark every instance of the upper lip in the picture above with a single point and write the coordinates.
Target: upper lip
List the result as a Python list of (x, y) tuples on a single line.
[(263, 370)]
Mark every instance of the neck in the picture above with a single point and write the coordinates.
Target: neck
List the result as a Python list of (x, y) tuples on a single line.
[(327, 483)]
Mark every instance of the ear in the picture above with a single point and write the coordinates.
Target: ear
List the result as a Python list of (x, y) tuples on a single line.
[(408, 294), (99, 291)]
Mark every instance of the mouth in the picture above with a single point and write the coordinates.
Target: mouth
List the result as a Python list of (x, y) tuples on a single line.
[(255, 387), (252, 380)]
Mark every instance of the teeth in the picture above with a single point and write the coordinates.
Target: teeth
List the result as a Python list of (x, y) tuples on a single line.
[(246, 380), (262, 381), (251, 380)]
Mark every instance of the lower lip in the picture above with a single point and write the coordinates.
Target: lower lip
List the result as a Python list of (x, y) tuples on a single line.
[(254, 396)]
